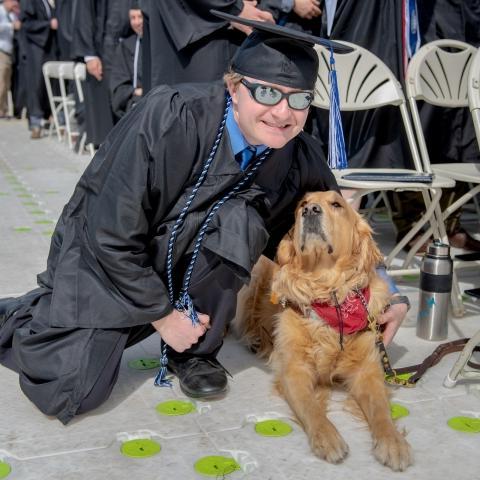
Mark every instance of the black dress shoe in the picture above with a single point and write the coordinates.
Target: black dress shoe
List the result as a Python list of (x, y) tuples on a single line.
[(200, 377)]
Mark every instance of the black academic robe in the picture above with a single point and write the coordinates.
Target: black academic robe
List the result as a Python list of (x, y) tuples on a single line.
[(106, 268), (184, 42), (121, 79), (41, 46), (65, 10), (449, 133), (98, 26), (373, 138)]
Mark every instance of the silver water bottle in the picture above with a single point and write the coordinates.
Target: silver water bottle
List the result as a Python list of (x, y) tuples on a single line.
[(435, 289)]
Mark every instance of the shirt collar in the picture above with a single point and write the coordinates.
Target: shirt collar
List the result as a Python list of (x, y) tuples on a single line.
[(237, 140)]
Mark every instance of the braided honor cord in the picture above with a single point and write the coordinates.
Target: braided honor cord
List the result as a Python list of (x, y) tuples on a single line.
[(184, 303)]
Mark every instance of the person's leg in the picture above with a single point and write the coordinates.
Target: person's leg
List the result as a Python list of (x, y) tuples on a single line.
[(213, 289), (5, 80)]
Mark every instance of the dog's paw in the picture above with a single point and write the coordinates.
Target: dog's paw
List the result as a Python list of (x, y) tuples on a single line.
[(393, 451), (328, 444)]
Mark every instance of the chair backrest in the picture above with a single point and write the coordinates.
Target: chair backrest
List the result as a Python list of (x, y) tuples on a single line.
[(52, 69), (438, 73), (473, 90), (364, 83), (66, 71), (80, 73)]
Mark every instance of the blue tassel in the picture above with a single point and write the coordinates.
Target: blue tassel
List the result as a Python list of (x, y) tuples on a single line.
[(337, 155), (184, 305), (161, 379)]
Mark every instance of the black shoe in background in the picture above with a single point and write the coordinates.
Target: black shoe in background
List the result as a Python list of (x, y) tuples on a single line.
[(199, 376)]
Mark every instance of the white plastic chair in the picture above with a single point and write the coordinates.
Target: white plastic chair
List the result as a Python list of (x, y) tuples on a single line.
[(52, 70), (440, 74), (365, 82), (66, 72)]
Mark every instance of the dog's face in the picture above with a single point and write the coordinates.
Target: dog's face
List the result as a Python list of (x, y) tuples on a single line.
[(328, 240), (327, 226)]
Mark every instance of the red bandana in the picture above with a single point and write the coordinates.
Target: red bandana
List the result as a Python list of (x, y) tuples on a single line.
[(352, 312)]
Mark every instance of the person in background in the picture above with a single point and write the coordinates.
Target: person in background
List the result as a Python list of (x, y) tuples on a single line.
[(40, 26), (126, 79), (9, 23), (97, 28)]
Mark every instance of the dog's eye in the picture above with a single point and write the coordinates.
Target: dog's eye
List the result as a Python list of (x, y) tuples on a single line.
[(336, 205)]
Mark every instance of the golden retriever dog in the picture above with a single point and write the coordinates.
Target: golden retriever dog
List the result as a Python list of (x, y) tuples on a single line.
[(322, 284)]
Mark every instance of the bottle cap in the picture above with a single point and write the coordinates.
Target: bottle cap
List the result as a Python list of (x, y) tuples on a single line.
[(438, 249)]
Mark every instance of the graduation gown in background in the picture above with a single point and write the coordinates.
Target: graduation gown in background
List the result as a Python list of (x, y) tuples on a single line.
[(449, 133), (98, 26), (106, 269), (372, 138), (65, 10), (123, 74), (40, 47), (183, 42)]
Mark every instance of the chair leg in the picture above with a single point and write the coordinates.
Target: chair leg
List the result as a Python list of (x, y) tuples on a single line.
[(458, 369)]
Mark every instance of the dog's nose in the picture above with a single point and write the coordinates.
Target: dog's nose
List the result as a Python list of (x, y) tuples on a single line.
[(311, 209)]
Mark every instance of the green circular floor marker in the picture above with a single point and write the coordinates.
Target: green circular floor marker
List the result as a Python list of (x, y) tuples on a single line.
[(144, 363), (44, 222), (411, 277), (401, 376), (140, 448), (22, 229), (465, 424), (37, 212), (398, 411), (4, 469), (216, 466), (24, 195), (175, 407), (273, 428)]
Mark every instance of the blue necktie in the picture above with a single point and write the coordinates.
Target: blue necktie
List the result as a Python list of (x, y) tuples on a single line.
[(245, 156)]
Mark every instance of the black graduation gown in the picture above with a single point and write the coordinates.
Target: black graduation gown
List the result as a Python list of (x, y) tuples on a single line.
[(183, 42), (65, 10), (106, 267), (121, 79), (41, 46), (372, 138), (449, 133), (98, 26)]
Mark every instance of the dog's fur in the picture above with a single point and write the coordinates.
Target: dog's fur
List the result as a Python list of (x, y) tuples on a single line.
[(330, 248)]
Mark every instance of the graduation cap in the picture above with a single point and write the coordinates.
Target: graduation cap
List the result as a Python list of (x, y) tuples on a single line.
[(285, 56)]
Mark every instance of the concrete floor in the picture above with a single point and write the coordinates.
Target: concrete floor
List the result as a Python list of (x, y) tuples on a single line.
[(36, 179)]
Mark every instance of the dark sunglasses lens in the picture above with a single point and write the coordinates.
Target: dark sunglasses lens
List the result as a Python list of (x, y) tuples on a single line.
[(300, 100), (267, 95)]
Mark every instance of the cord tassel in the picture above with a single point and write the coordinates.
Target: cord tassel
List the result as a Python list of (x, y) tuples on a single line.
[(337, 155), (161, 379)]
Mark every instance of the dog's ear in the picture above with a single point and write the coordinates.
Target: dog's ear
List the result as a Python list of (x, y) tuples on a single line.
[(365, 249), (285, 250)]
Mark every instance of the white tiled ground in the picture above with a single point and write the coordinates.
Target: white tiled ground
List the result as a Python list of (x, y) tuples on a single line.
[(36, 178)]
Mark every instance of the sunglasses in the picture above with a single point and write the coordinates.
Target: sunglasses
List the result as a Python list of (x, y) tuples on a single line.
[(268, 95)]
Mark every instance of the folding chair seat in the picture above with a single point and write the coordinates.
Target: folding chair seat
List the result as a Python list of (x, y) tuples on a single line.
[(365, 82), (51, 70), (443, 73)]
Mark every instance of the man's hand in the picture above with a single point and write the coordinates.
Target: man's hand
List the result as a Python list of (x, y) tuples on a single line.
[(307, 8), (94, 68), (177, 331), (54, 24), (392, 318), (17, 24), (138, 92), (251, 12)]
